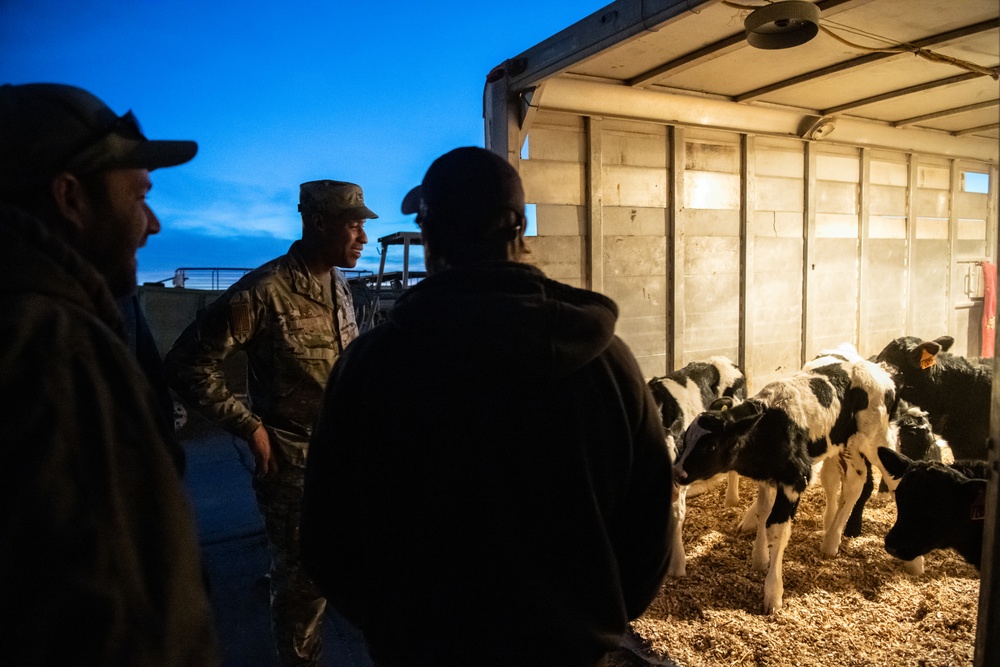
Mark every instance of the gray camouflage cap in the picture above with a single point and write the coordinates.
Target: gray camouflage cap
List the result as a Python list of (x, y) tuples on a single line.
[(336, 197)]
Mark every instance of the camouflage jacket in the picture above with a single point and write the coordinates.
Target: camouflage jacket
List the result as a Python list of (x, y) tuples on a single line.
[(281, 317)]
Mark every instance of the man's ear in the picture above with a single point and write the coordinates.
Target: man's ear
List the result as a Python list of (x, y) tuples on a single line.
[(70, 200), (310, 220)]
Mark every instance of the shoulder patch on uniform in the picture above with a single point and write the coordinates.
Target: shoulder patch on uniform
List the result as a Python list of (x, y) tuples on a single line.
[(239, 318)]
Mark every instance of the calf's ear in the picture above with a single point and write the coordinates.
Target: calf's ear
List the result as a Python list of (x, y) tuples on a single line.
[(742, 426), (894, 463), (721, 403), (945, 342), (924, 356)]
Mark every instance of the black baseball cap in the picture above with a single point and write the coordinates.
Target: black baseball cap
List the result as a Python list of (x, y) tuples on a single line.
[(466, 180), (46, 128)]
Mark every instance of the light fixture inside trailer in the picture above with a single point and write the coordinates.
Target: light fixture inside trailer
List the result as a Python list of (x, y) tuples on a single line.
[(782, 25)]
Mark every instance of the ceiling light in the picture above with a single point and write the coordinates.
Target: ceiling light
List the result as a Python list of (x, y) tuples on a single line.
[(817, 128), (782, 25)]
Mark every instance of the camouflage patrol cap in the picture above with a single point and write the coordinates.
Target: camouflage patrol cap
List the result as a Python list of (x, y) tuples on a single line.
[(336, 197), (46, 128)]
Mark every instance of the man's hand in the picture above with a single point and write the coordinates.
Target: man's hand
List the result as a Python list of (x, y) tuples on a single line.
[(265, 465)]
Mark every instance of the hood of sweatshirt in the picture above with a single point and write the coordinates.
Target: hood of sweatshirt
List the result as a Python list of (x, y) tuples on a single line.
[(504, 320)]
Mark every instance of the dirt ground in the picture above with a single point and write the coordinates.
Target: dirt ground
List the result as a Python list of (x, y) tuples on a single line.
[(859, 609)]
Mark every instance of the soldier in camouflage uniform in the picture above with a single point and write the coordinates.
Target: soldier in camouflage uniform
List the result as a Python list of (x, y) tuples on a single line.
[(292, 317)]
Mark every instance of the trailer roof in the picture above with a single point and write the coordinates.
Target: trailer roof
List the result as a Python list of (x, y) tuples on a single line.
[(683, 49)]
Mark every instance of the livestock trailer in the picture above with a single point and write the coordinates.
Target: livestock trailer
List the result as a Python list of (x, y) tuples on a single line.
[(835, 183)]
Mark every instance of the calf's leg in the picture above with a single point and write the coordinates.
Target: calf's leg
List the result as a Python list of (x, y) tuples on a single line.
[(779, 529), (774, 588), (831, 478), (760, 507), (853, 482), (853, 527), (678, 560), (733, 489), (915, 566), (766, 495)]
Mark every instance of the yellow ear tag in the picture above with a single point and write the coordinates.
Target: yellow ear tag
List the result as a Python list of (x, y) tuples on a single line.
[(926, 360), (724, 408)]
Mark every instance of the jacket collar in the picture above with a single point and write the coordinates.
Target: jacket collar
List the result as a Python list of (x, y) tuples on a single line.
[(302, 281), (36, 261)]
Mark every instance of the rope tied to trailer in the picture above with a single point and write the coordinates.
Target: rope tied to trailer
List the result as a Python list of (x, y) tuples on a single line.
[(927, 54), (892, 47)]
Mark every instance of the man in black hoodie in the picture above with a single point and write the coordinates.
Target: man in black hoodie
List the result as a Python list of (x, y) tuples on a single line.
[(488, 482)]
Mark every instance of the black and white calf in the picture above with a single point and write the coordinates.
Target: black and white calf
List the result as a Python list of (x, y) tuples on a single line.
[(843, 353), (682, 396), (915, 436), (910, 432), (777, 436), (954, 391), (937, 507)]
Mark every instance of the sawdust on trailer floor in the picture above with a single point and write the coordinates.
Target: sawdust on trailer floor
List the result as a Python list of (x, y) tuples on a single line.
[(859, 609)]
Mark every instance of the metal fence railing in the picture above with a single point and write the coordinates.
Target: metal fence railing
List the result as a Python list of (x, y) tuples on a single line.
[(221, 278), (207, 278)]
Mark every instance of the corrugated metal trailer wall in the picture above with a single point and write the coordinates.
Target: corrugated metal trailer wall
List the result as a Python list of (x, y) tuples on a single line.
[(777, 175), (776, 187), (884, 300), (763, 249), (707, 237), (600, 191)]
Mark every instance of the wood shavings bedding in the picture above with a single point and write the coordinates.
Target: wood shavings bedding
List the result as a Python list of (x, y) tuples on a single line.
[(860, 609)]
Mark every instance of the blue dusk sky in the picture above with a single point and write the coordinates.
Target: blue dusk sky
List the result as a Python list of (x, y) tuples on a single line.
[(277, 94)]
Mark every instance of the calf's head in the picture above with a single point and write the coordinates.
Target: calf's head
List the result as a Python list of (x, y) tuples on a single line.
[(710, 444), (912, 356), (932, 505), (916, 437)]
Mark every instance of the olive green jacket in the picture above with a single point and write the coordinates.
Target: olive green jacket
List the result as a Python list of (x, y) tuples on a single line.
[(292, 332), (99, 550)]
